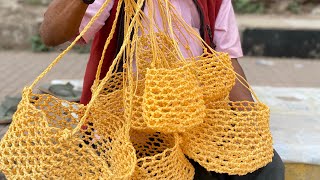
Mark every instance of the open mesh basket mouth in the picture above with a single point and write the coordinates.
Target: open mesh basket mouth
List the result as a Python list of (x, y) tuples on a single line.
[(234, 138), (215, 75), (34, 147), (172, 100), (160, 156)]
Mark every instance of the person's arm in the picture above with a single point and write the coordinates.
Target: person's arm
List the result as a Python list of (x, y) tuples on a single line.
[(227, 39), (239, 92), (62, 21)]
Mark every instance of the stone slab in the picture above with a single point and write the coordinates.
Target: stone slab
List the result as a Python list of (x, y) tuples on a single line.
[(294, 122)]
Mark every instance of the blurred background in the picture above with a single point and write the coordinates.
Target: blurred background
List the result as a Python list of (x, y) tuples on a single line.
[(281, 42)]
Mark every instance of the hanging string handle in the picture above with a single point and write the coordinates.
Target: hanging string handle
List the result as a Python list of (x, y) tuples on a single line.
[(106, 45), (100, 87), (46, 71)]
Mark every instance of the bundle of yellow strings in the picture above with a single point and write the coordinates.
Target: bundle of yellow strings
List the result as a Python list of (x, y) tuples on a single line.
[(142, 121)]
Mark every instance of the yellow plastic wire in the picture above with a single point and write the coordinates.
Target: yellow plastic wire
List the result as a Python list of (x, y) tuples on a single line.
[(180, 83), (104, 80), (106, 45)]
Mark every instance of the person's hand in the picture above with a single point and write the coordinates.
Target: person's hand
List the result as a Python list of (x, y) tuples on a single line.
[(239, 92), (62, 21)]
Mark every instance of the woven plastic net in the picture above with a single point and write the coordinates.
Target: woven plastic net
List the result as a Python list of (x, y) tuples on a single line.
[(233, 139), (35, 148), (167, 102)]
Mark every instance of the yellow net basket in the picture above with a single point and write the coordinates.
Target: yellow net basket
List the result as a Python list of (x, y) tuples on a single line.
[(216, 76), (39, 143), (141, 121), (233, 139), (54, 139)]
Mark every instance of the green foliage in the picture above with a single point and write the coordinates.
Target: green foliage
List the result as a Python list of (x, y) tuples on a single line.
[(33, 2), (294, 6), (37, 44), (248, 6), (82, 49)]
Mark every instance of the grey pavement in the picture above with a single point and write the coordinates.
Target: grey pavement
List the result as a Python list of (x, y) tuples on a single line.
[(282, 72), (305, 22), (294, 121), (19, 69)]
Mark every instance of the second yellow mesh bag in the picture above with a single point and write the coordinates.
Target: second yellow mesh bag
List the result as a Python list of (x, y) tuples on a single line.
[(234, 138), (142, 112)]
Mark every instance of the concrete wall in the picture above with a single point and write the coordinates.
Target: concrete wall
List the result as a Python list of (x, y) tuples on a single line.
[(19, 21)]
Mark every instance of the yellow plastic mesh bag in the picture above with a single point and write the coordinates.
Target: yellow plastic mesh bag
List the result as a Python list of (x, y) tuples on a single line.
[(123, 132), (160, 156), (233, 139), (35, 146)]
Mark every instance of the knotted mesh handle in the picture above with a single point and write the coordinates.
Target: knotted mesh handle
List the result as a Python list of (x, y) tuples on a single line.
[(68, 133)]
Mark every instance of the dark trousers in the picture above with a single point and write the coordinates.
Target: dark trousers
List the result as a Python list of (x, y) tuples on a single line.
[(273, 171)]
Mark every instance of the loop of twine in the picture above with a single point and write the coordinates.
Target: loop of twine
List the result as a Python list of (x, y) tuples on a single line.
[(114, 63)]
